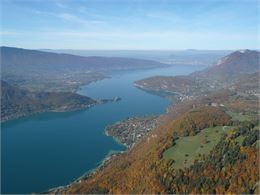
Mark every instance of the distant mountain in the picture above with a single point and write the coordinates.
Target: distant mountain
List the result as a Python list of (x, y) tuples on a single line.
[(16, 102), (190, 56), (17, 60), (46, 71), (196, 57), (226, 73), (237, 63)]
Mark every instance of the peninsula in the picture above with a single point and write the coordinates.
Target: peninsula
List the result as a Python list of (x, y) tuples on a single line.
[(16, 102), (128, 132)]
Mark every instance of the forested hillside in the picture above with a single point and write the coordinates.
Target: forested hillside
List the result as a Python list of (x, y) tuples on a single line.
[(231, 165), (205, 144), (16, 102)]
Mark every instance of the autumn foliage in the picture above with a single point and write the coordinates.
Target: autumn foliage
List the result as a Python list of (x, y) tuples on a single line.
[(229, 168)]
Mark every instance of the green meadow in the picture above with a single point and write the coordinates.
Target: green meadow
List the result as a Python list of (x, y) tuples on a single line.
[(187, 149), (238, 116)]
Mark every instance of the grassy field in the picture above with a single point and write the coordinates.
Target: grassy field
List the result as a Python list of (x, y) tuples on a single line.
[(187, 149), (238, 116)]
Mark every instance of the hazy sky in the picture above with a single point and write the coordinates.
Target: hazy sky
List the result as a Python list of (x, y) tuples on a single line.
[(125, 24)]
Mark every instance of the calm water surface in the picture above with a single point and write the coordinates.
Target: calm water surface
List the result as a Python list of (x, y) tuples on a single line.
[(52, 149)]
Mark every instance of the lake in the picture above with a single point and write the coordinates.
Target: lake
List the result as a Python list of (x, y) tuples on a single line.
[(53, 149)]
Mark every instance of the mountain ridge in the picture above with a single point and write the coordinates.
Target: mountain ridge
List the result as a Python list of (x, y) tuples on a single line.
[(238, 62), (48, 71), (224, 73), (19, 57)]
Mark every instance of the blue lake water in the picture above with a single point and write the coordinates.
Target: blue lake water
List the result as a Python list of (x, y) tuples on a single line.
[(52, 149)]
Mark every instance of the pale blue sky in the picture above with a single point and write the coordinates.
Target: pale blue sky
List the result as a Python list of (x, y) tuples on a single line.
[(125, 24)]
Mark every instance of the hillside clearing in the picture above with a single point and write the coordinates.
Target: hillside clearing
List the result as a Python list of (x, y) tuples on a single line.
[(187, 149)]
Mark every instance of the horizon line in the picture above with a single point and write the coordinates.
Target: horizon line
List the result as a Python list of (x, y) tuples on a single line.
[(154, 49)]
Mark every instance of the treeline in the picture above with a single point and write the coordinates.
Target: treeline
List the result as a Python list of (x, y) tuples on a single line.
[(192, 122)]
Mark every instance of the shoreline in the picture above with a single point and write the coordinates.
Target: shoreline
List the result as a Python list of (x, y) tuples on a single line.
[(111, 155), (84, 107), (75, 90), (114, 138), (130, 131), (47, 111), (105, 162)]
